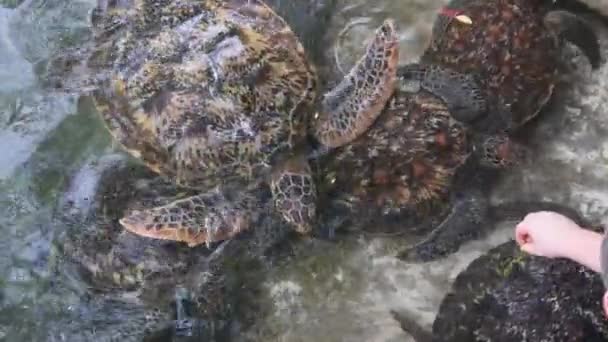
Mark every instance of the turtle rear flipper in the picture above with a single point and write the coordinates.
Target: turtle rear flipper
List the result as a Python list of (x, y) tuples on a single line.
[(354, 104), (204, 218), (465, 222), (460, 92), (577, 31)]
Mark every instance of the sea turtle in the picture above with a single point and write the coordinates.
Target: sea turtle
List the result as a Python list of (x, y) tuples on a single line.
[(495, 64), (401, 171), (508, 295), (159, 278), (419, 165), (511, 49), (219, 93)]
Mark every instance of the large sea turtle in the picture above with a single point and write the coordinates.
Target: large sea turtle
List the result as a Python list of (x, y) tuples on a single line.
[(495, 64), (215, 42), (512, 51), (157, 276), (508, 295), (423, 163), (401, 171), (217, 93)]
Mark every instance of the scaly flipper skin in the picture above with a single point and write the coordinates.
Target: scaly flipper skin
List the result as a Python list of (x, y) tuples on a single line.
[(460, 92), (204, 218), (356, 102), (470, 218), (577, 31), (295, 194)]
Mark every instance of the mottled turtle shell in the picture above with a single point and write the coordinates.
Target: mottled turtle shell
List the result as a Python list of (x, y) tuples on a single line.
[(507, 295), (201, 91), (507, 47), (403, 163)]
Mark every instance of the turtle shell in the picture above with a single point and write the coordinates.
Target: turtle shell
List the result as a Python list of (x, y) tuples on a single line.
[(201, 91), (508, 49), (405, 162), (507, 295)]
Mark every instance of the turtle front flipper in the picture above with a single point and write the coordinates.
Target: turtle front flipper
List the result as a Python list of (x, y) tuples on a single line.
[(294, 193), (517, 210), (205, 218), (471, 217), (577, 31), (354, 104), (460, 92)]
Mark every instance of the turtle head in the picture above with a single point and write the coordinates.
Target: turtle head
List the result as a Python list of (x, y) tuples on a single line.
[(499, 151)]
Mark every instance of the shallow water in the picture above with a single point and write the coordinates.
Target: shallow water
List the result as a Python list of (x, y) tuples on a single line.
[(53, 148)]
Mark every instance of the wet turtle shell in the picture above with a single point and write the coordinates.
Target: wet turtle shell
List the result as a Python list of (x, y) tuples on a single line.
[(508, 295), (513, 48), (201, 90), (401, 168)]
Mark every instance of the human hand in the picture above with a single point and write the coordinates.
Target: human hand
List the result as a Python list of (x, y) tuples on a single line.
[(546, 233)]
